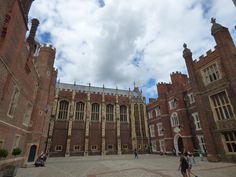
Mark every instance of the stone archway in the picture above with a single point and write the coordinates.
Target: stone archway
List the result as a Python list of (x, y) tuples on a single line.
[(178, 144), (32, 153)]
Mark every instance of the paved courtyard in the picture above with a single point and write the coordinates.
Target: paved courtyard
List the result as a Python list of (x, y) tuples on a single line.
[(124, 166)]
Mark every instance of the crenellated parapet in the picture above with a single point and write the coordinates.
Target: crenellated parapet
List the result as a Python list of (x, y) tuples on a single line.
[(48, 47), (176, 73), (205, 56)]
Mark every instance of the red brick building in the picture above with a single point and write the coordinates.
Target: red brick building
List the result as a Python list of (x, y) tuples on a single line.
[(90, 120), (173, 117), (204, 103), (27, 83)]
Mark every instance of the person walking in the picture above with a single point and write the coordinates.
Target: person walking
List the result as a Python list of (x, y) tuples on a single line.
[(183, 165), (188, 157), (135, 153)]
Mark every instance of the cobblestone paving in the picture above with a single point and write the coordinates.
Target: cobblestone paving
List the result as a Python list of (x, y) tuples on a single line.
[(124, 166)]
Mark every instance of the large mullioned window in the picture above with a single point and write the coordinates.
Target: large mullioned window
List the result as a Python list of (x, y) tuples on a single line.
[(211, 73), (95, 112), (123, 113), (230, 141), (109, 112), (63, 110), (79, 113), (221, 106), (137, 120), (13, 104)]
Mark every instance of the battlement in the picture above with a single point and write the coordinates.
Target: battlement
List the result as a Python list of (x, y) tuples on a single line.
[(176, 72), (203, 56), (49, 46), (163, 83), (95, 90)]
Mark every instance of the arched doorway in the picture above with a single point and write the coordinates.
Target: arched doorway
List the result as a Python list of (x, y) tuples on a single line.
[(178, 144), (32, 153)]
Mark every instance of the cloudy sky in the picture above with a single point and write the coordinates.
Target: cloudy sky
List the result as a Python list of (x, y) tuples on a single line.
[(117, 42)]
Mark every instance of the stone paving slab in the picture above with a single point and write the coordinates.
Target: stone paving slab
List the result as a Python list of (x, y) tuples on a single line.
[(124, 166)]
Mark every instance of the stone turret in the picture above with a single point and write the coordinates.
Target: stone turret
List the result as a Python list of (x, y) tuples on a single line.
[(221, 34), (187, 54)]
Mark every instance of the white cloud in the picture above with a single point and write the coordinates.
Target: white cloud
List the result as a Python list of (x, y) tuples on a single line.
[(97, 44)]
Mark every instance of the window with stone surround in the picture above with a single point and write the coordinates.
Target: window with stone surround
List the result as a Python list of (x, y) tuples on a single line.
[(27, 115), (191, 98), (152, 130), (230, 141), (196, 121), (123, 113), (221, 106), (143, 128), (109, 147), (77, 148), (160, 129), (211, 73), (109, 112), (172, 104), (137, 120), (95, 112), (125, 146), (63, 110), (158, 111), (58, 148), (201, 143), (13, 103), (94, 147), (79, 113), (174, 120)]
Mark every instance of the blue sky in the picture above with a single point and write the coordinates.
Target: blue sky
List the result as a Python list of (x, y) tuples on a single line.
[(117, 43)]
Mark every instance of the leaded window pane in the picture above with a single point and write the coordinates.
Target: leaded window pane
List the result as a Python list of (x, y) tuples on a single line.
[(63, 110), (79, 114), (109, 112), (95, 112), (123, 113)]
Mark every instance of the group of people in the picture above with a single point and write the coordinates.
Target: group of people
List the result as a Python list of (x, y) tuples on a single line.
[(186, 162)]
